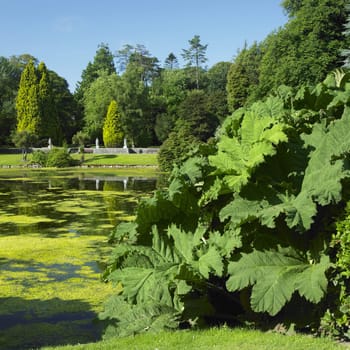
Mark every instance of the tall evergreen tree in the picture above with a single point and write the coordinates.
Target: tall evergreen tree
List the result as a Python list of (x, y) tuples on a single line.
[(216, 88), (243, 76), (27, 103), (103, 63), (195, 56), (194, 111), (112, 127), (171, 61), (49, 124), (69, 113)]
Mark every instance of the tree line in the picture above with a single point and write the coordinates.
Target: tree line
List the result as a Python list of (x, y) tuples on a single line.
[(150, 103)]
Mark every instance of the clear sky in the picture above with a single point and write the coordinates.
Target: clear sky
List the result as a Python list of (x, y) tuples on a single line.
[(65, 34)]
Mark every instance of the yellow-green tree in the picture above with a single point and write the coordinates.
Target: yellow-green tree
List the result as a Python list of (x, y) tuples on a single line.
[(27, 103), (112, 128)]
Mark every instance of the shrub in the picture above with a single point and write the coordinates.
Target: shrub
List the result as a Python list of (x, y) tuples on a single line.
[(39, 158), (175, 148), (336, 320), (59, 158)]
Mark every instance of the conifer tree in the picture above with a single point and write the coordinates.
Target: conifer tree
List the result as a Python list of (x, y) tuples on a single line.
[(171, 62), (103, 63), (27, 103), (195, 55), (112, 127), (49, 125)]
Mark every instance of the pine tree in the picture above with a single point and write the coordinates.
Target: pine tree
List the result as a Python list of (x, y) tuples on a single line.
[(27, 103), (112, 128), (195, 55), (171, 62)]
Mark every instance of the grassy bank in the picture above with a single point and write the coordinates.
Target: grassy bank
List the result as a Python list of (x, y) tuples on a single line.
[(216, 339), (15, 160), (118, 159)]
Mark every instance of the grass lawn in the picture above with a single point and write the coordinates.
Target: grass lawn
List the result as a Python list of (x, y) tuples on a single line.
[(15, 160), (213, 339), (11, 159), (118, 159)]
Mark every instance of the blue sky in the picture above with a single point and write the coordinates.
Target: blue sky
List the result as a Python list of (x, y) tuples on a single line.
[(65, 34)]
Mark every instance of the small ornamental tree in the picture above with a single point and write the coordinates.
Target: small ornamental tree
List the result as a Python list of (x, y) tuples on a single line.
[(80, 138), (112, 127), (24, 140)]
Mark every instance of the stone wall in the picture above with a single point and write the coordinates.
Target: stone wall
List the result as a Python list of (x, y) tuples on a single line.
[(125, 150)]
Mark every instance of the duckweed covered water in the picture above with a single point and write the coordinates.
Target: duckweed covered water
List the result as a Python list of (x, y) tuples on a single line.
[(53, 245)]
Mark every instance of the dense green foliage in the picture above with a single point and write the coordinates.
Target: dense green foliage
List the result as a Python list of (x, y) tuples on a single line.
[(101, 64), (49, 126), (27, 103), (246, 229), (243, 76), (195, 125), (112, 128), (10, 74), (304, 50), (336, 319), (36, 100), (57, 158), (135, 105), (97, 98)]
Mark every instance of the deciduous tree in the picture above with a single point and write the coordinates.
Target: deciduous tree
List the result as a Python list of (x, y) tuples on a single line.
[(306, 48), (96, 101), (135, 106), (9, 80)]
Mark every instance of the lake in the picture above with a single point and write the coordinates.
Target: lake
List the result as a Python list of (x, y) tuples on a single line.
[(54, 228)]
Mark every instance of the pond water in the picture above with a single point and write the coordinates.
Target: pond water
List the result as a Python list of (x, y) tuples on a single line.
[(54, 227)]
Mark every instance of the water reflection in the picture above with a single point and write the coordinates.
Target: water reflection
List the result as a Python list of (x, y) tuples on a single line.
[(52, 203)]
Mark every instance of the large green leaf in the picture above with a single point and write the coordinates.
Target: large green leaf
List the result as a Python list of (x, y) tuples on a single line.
[(325, 171), (129, 319), (199, 255), (238, 157), (321, 184), (275, 276)]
